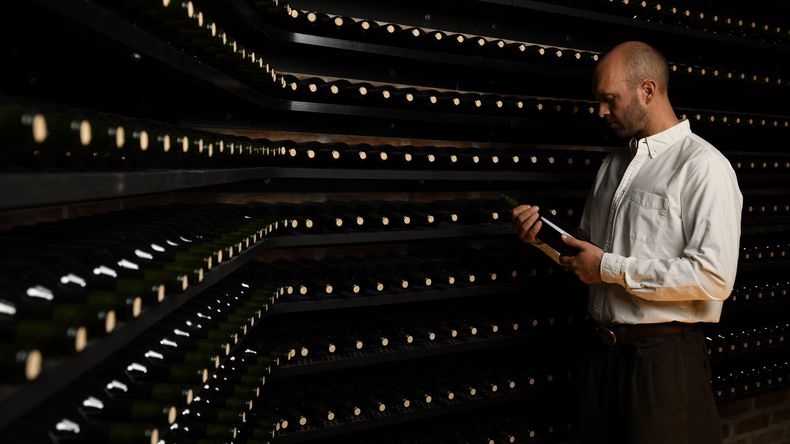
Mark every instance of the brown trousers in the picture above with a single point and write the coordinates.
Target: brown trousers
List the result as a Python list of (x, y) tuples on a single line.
[(654, 391)]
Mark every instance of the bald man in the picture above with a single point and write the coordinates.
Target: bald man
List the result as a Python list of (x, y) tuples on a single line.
[(666, 211)]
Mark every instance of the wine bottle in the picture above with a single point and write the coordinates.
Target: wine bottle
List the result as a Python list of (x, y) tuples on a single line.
[(144, 370), (552, 229), (42, 302), (118, 384), (94, 403)]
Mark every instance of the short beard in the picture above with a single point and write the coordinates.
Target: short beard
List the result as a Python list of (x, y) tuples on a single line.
[(633, 119)]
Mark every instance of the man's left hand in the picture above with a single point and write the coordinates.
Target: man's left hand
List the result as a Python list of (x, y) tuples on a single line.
[(587, 263)]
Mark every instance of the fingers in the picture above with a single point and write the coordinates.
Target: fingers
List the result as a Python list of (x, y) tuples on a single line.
[(520, 209), (532, 233), (529, 227), (523, 211), (569, 263), (572, 241)]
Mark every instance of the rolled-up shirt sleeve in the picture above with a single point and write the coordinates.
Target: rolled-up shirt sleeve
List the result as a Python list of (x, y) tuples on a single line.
[(711, 218)]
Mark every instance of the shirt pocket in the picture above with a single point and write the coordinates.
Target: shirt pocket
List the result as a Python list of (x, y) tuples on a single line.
[(646, 216)]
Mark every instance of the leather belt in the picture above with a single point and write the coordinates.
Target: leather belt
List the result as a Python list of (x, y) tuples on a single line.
[(627, 333)]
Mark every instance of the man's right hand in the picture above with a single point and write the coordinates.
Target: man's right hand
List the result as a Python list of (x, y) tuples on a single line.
[(526, 223)]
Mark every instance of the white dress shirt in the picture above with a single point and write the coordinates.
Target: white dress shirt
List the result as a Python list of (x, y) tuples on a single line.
[(667, 213)]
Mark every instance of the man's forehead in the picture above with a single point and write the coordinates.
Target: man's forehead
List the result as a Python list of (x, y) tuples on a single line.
[(607, 78)]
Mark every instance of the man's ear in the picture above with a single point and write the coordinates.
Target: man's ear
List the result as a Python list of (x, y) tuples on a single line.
[(648, 90)]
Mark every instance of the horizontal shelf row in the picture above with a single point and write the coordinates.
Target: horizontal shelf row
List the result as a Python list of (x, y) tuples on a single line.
[(703, 17), (402, 298), (439, 348), (362, 35), (58, 188), (738, 380), (605, 17), (399, 417)]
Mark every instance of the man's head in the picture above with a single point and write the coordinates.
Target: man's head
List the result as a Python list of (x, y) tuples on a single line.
[(630, 84)]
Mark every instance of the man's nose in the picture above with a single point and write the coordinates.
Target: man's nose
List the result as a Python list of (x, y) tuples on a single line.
[(603, 110)]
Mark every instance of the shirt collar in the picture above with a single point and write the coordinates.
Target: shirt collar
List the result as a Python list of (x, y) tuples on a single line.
[(658, 142)]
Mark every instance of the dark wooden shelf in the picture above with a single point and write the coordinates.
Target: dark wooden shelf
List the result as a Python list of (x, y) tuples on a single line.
[(307, 305), (58, 188), (257, 23), (400, 353), (398, 417), (628, 22)]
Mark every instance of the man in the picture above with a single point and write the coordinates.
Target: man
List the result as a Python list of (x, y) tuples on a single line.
[(666, 212)]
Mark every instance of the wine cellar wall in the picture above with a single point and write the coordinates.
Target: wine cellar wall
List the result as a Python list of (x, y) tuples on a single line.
[(258, 221)]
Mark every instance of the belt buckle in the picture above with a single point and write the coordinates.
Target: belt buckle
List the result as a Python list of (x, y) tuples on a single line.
[(607, 336)]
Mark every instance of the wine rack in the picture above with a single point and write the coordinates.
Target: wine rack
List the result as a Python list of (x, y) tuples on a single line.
[(254, 221)]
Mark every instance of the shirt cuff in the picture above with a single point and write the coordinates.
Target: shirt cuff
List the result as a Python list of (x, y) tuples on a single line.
[(613, 268)]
